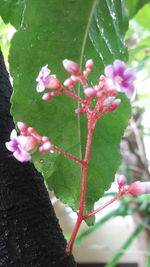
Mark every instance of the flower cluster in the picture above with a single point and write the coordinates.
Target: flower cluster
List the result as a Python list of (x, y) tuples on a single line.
[(117, 78), (136, 189), (26, 141)]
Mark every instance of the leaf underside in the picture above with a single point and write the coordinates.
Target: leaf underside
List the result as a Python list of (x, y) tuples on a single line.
[(77, 30)]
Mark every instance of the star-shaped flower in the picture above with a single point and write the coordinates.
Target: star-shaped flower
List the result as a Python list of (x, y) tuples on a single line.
[(121, 76)]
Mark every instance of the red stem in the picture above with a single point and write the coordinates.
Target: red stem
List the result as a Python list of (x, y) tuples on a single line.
[(71, 94), (120, 194), (83, 81), (91, 124), (101, 114), (68, 155)]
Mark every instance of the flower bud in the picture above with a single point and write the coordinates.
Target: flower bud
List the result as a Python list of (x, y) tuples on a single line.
[(112, 91), (121, 180), (136, 189), (80, 111), (31, 130), (23, 127), (71, 66), (47, 96), (47, 146), (89, 64), (114, 105), (31, 143), (86, 72), (41, 149), (52, 83), (139, 188), (90, 92), (45, 139), (74, 78), (68, 82)]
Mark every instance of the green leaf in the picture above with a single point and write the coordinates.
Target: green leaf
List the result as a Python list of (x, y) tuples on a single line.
[(143, 198), (11, 11), (134, 5), (76, 30), (143, 17), (140, 54)]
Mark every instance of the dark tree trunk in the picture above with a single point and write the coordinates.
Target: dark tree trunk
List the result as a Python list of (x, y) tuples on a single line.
[(29, 231)]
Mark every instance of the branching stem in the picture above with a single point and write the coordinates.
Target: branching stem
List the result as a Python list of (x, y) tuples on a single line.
[(120, 194), (73, 95), (68, 155)]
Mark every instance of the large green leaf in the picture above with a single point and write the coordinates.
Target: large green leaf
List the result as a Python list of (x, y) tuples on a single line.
[(52, 31), (134, 5), (11, 11), (143, 17)]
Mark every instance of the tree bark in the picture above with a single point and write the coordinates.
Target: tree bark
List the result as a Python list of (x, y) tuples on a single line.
[(30, 235)]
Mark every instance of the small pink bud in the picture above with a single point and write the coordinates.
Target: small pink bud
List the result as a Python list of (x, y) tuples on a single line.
[(74, 78), (89, 64), (47, 146), (71, 66), (45, 139), (52, 83), (80, 111), (108, 83), (137, 188), (96, 87), (22, 126), (47, 96), (41, 149), (112, 91), (31, 130), (90, 92), (99, 94), (125, 188), (68, 82), (31, 143), (114, 105), (121, 180), (101, 81), (86, 72)]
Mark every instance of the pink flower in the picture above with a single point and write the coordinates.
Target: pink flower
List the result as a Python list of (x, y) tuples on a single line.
[(139, 188), (121, 76), (42, 79), (19, 145), (46, 81)]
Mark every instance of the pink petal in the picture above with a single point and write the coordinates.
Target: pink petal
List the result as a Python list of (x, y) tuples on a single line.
[(129, 75), (13, 134), (11, 145), (22, 155), (40, 87), (22, 141), (119, 67), (109, 71)]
